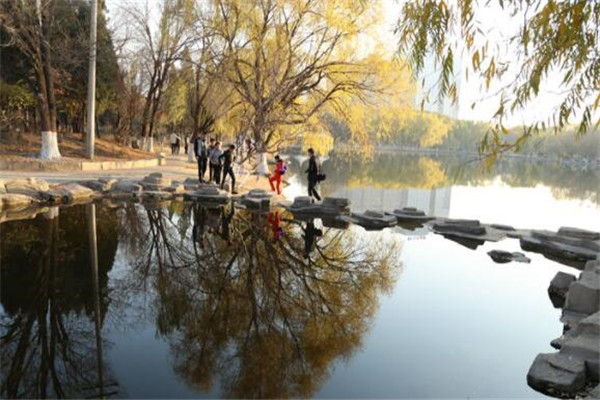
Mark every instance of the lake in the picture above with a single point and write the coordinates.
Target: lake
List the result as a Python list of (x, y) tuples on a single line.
[(185, 300)]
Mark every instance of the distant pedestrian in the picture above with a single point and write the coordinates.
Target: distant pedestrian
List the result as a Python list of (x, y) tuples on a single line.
[(313, 172), (280, 169), (174, 140), (227, 160), (201, 152), (215, 162)]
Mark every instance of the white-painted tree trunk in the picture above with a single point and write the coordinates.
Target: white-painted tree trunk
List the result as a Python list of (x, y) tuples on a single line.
[(49, 146), (148, 144), (51, 214), (262, 168)]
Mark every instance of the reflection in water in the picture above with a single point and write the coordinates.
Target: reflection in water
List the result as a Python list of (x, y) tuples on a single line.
[(392, 172), (261, 304), (48, 336)]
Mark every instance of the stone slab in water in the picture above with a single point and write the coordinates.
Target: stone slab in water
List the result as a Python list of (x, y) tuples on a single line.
[(156, 195), (100, 185), (503, 227), (302, 201), (32, 187), (501, 256), (583, 296), (371, 220), (557, 250), (556, 372), (15, 200), (547, 236), (71, 192), (593, 394), (579, 233), (125, 189), (559, 286), (456, 227), (336, 202)]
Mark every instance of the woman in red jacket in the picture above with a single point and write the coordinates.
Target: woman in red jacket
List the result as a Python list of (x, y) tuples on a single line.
[(276, 177)]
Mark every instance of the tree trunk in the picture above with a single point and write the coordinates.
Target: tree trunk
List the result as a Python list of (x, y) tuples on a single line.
[(46, 99), (148, 144), (49, 150)]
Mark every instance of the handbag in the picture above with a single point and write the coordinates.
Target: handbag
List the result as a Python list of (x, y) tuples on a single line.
[(321, 177)]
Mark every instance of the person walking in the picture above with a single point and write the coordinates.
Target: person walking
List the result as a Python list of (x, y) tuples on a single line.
[(313, 175), (201, 152), (174, 139), (280, 169), (215, 162), (227, 160), (211, 147)]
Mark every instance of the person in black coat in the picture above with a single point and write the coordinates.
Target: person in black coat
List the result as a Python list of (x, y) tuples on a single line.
[(313, 175), (227, 161)]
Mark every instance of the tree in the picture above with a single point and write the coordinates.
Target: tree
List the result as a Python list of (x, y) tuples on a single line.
[(556, 41), (158, 50), (287, 60), (27, 25)]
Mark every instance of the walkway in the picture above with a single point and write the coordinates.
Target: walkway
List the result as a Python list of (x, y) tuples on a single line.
[(177, 168)]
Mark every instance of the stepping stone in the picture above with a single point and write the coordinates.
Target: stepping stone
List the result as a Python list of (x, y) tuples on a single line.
[(583, 296), (559, 286), (503, 257), (579, 233), (554, 372), (371, 220), (126, 189), (410, 214)]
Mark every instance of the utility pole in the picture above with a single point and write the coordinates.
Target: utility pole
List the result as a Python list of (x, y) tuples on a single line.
[(91, 94)]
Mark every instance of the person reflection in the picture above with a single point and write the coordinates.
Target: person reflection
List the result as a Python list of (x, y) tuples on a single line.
[(310, 237), (199, 229), (275, 221), (226, 217)]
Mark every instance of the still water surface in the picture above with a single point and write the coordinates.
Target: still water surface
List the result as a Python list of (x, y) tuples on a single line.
[(193, 301)]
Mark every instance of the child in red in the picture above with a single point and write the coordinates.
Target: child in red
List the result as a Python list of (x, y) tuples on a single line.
[(276, 177)]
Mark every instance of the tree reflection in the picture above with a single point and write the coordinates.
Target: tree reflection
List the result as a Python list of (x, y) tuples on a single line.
[(265, 317), (392, 171), (48, 338)]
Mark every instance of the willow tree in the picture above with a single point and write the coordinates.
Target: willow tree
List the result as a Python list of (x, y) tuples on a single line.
[(287, 60), (554, 44), (27, 25)]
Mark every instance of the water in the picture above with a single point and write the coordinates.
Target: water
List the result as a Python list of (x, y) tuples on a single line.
[(192, 301)]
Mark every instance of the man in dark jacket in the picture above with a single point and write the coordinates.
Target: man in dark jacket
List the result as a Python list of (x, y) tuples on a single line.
[(226, 160), (201, 152), (313, 175)]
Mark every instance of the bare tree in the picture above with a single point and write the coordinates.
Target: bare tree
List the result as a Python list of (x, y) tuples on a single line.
[(158, 47)]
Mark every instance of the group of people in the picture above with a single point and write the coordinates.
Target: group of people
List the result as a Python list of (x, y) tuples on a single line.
[(219, 163), (314, 175)]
